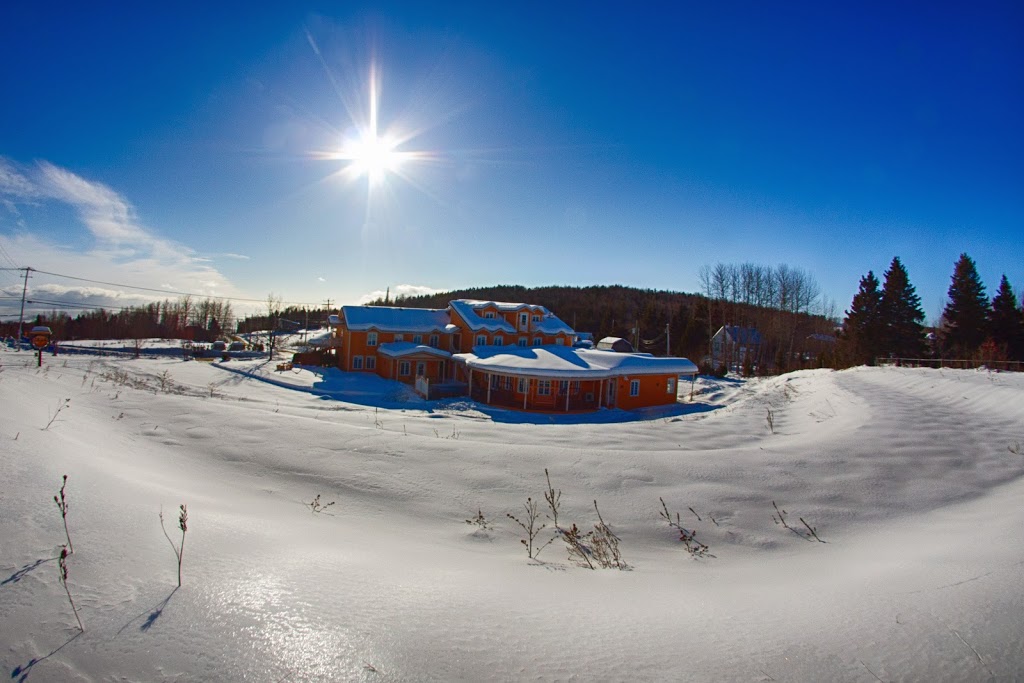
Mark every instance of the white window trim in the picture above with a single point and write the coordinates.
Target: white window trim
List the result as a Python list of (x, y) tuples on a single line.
[(544, 387), (670, 386), (371, 338), (370, 363), (417, 339), (481, 340), (521, 385), (538, 341), (357, 362), (499, 341), (634, 387), (403, 368), (434, 340), (523, 341)]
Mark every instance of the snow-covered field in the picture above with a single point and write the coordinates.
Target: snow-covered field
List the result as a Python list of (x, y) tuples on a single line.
[(913, 478)]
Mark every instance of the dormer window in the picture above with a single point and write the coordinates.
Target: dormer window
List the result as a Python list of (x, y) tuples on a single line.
[(536, 318), (481, 340), (489, 315)]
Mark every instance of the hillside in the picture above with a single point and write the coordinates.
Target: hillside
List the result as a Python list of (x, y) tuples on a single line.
[(912, 478)]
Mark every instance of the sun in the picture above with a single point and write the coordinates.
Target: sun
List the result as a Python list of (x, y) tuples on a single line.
[(372, 155)]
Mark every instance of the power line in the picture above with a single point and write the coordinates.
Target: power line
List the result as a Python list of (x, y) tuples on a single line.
[(160, 291)]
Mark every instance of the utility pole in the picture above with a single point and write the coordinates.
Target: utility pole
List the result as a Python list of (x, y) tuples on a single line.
[(21, 319), (668, 340)]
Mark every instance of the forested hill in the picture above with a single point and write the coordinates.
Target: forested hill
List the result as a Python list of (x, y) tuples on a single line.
[(676, 323)]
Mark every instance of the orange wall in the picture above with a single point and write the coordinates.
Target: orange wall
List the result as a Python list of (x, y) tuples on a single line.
[(652, 392)]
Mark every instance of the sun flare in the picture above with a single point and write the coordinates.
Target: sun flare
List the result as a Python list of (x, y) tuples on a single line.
[(372, 156)]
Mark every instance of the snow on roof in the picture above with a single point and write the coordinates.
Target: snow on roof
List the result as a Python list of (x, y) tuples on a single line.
[(467, 309), (571, 363), (395, 319), (404, 348)]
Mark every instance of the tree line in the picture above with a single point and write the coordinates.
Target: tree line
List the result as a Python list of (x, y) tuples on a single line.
[(886, 320), (159, 319)]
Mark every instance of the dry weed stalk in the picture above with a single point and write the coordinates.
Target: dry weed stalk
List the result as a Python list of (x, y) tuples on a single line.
[(686, 536), (62, 505), (531, 528), (179, 550), (63, 569)]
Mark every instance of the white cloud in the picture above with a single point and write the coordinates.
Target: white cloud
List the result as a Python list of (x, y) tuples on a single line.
[(122, 249), (237, 257), (321, 279), (396, 291)]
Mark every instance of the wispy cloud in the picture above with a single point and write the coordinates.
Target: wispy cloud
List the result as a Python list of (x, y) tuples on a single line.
[(120, 247), (237, 257), (396, 291)]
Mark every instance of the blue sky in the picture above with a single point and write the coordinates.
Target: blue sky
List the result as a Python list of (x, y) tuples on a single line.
[(191, 149)]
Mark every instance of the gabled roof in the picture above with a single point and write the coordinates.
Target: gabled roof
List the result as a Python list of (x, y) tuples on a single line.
[(747, 336), (468, 310), (565, 362), (394, 319), (403, 348)]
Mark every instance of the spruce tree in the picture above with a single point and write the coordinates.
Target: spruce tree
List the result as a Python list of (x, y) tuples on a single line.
[(863, 327), (902, 317), (967, 313), (1007, 323)]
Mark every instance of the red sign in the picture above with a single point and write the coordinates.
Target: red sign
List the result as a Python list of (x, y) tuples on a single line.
[(40, 341)]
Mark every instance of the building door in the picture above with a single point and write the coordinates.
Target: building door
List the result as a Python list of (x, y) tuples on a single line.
[(421, 369), (610, 403)]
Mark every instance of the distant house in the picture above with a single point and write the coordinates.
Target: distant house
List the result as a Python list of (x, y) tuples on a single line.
[(510, 354), (733, 345), (616, 344)]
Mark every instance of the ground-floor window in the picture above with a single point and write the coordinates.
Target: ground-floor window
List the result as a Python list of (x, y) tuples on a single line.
[(563, 387), (357, 362), (495, 379), (670, 386), (544, 387), (371, 362), (537, 341), (634, 387), (521, 388), (403, 368), (508, 383)]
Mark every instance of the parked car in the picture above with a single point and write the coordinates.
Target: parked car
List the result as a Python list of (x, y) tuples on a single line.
[(236, 346)]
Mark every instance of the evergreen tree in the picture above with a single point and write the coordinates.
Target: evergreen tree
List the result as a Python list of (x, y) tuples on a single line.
[(863, 327), (902, 317), (967, 313), (1007, 323)]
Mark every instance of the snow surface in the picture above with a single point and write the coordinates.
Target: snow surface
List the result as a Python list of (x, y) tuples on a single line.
[(571, 363), (912, 477)]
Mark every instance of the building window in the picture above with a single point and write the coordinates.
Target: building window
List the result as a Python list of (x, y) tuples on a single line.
[(357, 362), (489, 315), (560, 341), (495, 381), (481, 340), (536, 318), (399, 337), (417, 339), (371, 338), (521, 385), (537, 341), (508, 383), (563, 387), (522, 320), (574, 387), (499, 341), (634, 387), (403, 368), (670, 386), (433, 340), (544, 387), (371, 362), (523, 341)]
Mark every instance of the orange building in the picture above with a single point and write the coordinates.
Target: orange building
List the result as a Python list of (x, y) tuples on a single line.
[(514, 355)]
